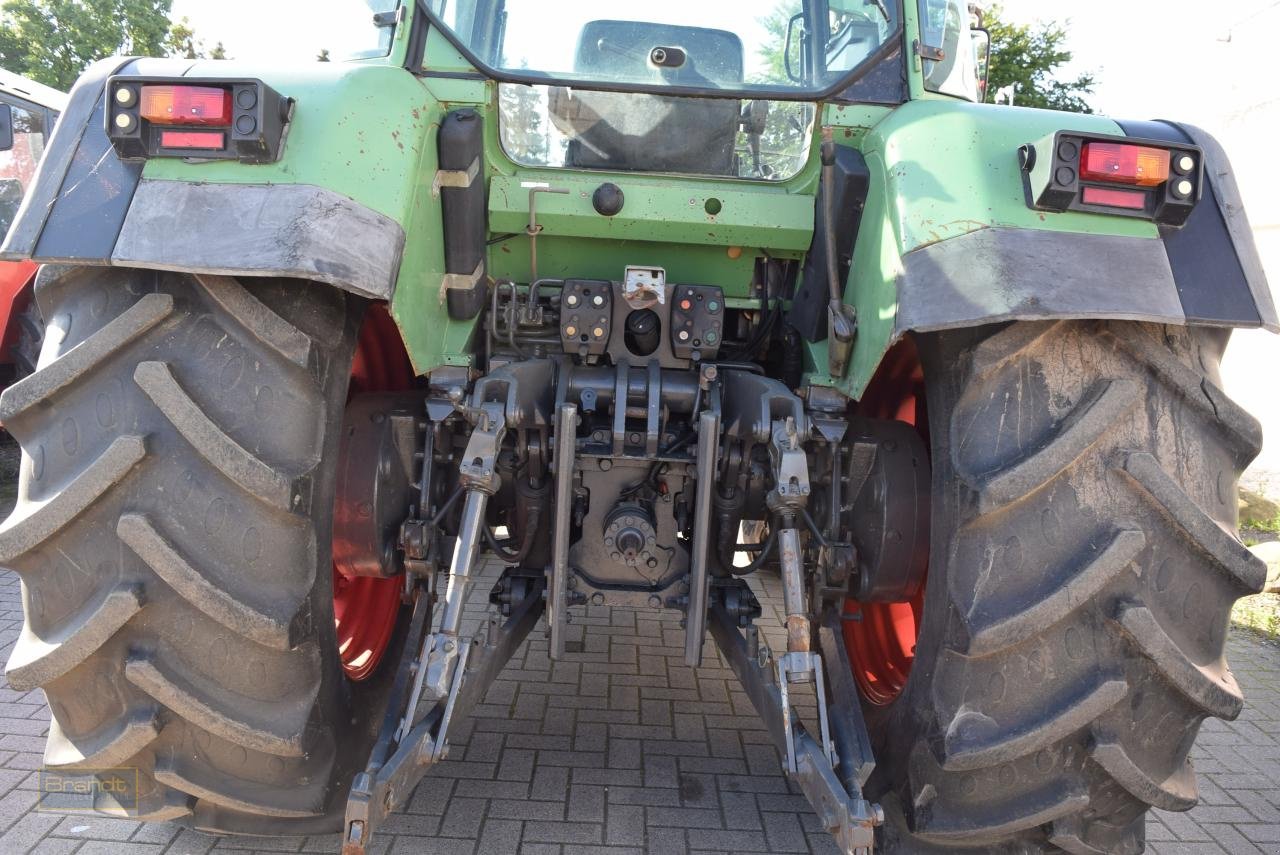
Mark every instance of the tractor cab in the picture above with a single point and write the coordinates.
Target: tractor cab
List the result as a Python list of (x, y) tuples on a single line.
[(615, 130)]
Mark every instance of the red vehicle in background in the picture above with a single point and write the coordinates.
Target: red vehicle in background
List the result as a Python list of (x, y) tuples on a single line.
[(28, 111)]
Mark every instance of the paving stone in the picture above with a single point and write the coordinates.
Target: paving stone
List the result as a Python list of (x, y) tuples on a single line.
[(620, 749)]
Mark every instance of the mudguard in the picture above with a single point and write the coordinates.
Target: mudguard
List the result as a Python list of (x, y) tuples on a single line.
[(949, 240), (1207, 272), (88, 206)]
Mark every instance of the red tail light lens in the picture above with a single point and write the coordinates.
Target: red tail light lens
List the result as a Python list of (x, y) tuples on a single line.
[(186, 105), (192, 139), (1140, 166), (1132, 200)]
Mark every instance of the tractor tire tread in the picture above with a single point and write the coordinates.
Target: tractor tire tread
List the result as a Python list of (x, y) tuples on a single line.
[(176, 577), (1082, 574)]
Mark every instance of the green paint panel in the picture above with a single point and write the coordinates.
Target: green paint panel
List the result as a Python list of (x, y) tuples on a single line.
[(942, 168), (358, 129), (586, 258), (953, 167), (666, 210)]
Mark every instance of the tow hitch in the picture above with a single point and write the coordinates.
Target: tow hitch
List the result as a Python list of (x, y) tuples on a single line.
[(448, 673)]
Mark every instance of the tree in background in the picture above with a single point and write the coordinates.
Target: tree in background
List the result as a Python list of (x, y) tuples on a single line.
[(1027, 57), (51, 41), (182, 42), (524, 135)]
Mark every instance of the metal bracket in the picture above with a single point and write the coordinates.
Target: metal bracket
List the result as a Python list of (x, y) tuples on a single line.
[(790, 466), (440, 742), (455, 179), (929, 52), (460, 281), (478, 468), (802, 668)]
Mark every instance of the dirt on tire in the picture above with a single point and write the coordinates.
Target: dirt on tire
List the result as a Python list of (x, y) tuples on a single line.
[(172, 533), (1083, 569)]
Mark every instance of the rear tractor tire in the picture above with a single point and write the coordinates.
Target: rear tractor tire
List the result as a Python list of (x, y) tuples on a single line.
[(172, 534), (1083, 567), (26, 350)]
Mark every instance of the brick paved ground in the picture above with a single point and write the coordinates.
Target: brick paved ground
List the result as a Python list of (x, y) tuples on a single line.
[(622, 749)]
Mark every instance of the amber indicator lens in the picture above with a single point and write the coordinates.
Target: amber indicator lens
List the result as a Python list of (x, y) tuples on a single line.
[(1138, 165), (186, 105)]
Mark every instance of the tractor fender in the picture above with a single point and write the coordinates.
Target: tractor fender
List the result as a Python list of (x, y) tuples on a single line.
[(1206, 273), (87, 206)]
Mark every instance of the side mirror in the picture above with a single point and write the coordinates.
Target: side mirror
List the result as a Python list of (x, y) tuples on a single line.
[(792, 42), (6, 127), (982, 51)]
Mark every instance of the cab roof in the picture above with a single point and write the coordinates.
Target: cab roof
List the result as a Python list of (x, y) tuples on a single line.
[(21, 87)]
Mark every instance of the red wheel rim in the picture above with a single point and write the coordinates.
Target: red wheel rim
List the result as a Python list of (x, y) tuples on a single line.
[(365, 608), (881, 637)]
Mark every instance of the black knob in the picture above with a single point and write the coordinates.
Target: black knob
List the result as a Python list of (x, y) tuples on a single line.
[(608, 199)]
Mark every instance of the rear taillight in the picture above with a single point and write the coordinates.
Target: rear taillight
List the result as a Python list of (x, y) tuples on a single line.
[(1119, 163), (1133, 200), (206, 119), (212, 140), (1152, 179), (186, 105)]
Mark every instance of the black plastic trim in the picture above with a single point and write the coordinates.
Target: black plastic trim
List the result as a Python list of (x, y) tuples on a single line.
[(994, 275), (1207, 268), (91, 205), (809, 309), (42, 194)]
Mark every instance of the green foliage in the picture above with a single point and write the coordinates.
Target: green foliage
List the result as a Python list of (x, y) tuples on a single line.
[(182, 42), (1271, 526), (1259, 613), (524, 135), (771, 50), (1027, 57), (51, 41)]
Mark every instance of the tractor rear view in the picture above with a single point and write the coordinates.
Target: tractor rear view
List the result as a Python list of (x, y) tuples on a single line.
[(639, 308)]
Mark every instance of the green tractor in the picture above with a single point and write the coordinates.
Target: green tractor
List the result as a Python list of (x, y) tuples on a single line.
[(639, 303)]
